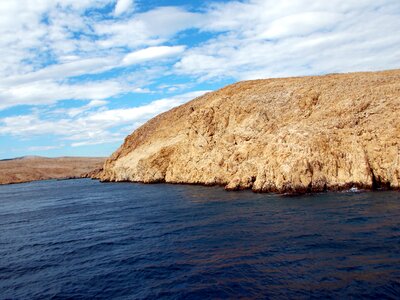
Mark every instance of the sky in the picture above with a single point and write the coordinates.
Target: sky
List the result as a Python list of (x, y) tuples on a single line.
[(76, 77)]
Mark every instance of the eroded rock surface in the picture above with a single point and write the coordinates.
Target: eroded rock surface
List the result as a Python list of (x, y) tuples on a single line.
[(274, 135)]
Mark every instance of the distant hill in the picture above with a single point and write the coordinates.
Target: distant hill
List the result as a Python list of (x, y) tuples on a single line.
[(31, 168), (23, 157)]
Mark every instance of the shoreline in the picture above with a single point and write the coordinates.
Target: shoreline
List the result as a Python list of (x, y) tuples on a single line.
[(284, 193), (289, 192), (46, 179)]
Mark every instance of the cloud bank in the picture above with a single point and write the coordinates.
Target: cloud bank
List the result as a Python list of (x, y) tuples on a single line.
[(78, 70)]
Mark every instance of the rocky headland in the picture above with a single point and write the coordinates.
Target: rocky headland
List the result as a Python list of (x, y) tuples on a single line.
[(289, 135), (31, 168)]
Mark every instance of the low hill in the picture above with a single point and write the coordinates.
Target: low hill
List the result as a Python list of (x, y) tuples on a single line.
[(30, 168)]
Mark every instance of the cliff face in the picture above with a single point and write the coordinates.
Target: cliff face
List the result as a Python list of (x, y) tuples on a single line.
[(274, 135)]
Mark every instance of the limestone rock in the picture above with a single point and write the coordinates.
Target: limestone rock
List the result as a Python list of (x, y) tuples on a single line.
[(300, 134)]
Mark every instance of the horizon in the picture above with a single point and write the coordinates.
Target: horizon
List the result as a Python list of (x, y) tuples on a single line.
[(80, 76)]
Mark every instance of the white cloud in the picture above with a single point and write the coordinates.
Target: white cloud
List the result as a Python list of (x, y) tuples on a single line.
[(123, 6), (44, 43), (110, 138), (140, 114), (96, 103), (56, 50), (152, 53), (265, 38), (72, 112), (48, 92), (73, 67), (44, 148), (301, 24), (83, 126), (150, 28)]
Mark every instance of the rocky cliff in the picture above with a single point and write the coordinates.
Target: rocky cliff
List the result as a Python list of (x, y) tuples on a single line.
[(275, 135)]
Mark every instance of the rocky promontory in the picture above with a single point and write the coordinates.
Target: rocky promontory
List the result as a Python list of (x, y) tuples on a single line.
[(299, 134)]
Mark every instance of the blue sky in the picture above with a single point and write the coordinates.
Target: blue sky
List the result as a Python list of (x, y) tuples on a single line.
[(78, 76)]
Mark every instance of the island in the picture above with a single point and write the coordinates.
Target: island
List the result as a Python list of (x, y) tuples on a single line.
[(285, 135)]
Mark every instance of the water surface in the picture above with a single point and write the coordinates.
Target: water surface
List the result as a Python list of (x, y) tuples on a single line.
[(83, 239)]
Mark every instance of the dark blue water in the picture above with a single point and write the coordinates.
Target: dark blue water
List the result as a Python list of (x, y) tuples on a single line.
[(83, 239)]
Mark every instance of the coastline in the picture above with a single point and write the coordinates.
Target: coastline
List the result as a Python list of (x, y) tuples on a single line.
[(350, 187)]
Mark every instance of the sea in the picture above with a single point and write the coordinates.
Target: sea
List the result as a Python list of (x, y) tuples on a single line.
[(82, 239)]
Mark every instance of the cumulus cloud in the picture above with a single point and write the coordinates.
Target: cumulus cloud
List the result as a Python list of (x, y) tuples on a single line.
[(301, 24), (117, 117), (152, 53), (49, 91), (123, 6), (46, 43), (100, 51), (266, 38), (72, 112), (92, 123), (149, 28)]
